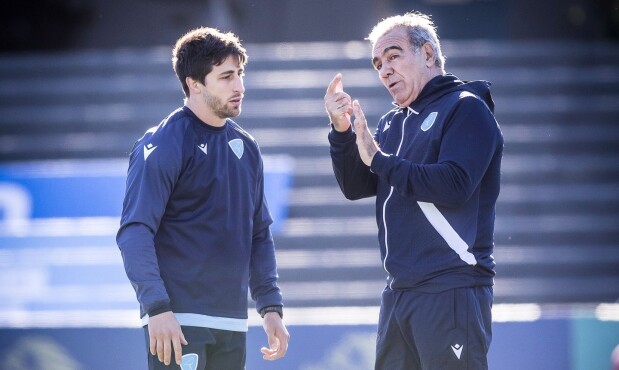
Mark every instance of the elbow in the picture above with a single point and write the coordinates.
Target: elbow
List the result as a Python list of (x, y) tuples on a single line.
[(353, 196), (459, 196), (460, 188), (458, 199), (356, 193), (459, 192)]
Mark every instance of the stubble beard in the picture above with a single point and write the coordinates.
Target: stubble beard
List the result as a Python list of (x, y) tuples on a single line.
[(221, 109)]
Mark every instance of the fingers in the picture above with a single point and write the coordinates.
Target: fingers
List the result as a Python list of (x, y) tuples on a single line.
[(165, 336), (358, 112), (338, 104), (360, 123), (162, 348), (277, 336), (365, 142), (167, 352), (178, 350), (152, 345), (277, 349), (282, 346), (335, 85), (271, 352)]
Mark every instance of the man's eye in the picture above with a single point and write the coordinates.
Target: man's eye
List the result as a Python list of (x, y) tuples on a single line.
[(394, 56), (378, 67)]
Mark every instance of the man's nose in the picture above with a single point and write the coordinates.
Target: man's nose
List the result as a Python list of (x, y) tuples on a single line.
[(386, 71), (239, 86)]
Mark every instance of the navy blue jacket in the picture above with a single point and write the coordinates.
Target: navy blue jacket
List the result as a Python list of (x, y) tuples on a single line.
[(195, 227), (436, 185)]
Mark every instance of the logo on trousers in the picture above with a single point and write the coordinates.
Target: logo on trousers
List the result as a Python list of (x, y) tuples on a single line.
[(457, 348)]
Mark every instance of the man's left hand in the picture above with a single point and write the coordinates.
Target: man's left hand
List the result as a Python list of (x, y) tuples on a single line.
[(277, 336), (365, 142)]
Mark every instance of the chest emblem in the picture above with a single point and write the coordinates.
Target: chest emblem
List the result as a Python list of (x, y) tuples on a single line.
[(237, 147), (202, 147), (429, 121)]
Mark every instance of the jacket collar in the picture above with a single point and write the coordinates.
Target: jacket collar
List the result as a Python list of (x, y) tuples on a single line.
[(445, 84)]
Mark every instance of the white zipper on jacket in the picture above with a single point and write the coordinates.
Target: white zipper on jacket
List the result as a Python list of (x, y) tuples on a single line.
[(389, 196)]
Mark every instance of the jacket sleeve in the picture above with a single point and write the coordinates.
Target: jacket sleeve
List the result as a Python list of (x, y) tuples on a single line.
[(470, 140), (263, 266), (149, 185), (354, 177)]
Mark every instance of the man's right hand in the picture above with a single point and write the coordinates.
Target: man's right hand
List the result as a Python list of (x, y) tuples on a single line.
[(338, 104), (165, 333)]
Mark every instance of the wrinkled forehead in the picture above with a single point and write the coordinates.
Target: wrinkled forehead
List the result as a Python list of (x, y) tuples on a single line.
[(394, 38)]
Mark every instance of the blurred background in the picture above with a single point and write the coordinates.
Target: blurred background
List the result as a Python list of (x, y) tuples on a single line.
[(80, 81)]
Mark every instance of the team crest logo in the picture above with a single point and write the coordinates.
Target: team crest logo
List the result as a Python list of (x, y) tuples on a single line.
[(202, 147), (190, 362), (237, 147), (429, 121)]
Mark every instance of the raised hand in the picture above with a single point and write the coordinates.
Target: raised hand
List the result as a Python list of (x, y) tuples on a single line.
[(365, 141), (338, 104)]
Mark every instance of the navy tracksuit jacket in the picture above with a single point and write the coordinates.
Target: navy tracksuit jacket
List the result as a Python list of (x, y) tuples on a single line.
[(436, 185)]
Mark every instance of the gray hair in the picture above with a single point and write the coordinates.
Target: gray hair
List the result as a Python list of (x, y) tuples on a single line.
[(420, 29)]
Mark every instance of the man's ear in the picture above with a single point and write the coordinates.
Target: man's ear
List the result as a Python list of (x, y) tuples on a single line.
[(194, 86), (428, 54)]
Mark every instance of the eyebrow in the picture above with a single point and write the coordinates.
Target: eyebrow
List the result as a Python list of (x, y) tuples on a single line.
[(375, 59), (231, 71)]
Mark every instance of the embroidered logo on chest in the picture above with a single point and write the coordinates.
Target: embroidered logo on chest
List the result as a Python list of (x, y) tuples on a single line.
[(429, 121), (237, 147), (203, 147)]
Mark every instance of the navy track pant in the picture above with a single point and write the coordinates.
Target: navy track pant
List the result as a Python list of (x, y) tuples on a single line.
[(208, 349), (450, 330)]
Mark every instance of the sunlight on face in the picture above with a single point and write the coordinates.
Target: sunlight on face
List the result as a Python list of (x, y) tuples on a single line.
[(224, 91), (402, 71)]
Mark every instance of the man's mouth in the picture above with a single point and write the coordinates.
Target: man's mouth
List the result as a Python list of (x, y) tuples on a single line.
[(392, 84)]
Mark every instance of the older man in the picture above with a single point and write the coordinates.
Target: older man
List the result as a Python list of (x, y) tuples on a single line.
[(433, 164)]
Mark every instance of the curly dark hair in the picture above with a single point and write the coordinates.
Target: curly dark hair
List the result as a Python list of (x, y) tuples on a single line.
[(197, 51)]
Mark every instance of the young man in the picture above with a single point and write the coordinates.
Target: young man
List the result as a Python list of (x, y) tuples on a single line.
[(434, 166), (195, 227)]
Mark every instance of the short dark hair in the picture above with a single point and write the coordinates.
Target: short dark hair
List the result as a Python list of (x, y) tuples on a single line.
[(197, 51)]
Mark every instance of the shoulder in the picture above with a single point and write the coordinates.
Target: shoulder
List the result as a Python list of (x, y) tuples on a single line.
[(173, 128), (462, 101), (466, 100), (242, 133), (470, 110), (165, 139)]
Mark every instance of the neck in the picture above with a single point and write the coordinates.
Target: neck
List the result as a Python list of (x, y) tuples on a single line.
[(202, 111)]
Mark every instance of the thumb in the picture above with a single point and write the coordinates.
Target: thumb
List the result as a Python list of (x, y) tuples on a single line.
[(335, 85), (273, 342)]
